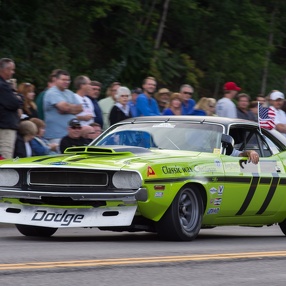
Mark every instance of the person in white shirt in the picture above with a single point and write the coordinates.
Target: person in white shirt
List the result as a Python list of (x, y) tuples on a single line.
[(225, 106), (276, 103), (107, 103), (82, 86)]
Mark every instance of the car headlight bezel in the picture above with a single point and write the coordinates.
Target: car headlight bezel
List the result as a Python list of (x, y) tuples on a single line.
[(9, 177), (127, 180)]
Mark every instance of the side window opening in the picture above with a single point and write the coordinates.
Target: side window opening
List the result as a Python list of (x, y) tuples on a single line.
[(250, 139), (273, 147)]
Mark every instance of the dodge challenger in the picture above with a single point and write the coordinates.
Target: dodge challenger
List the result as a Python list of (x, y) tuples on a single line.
[(171, 175)]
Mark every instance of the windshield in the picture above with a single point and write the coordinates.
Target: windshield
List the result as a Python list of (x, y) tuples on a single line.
[(173, 136)]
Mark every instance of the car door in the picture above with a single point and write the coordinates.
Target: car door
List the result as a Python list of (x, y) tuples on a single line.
[(251, 193)]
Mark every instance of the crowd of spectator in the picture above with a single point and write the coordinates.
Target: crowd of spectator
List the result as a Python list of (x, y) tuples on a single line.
[(58, 118)]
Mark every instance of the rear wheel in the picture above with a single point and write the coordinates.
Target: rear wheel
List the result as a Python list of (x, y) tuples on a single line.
[(283, 226), (37, 231), (183, 219)]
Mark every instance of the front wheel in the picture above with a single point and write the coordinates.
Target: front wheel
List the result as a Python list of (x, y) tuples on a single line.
[(37, 231), (283, 226), (183, 219)]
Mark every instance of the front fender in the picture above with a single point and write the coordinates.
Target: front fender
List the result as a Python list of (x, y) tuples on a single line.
[(160, 200)]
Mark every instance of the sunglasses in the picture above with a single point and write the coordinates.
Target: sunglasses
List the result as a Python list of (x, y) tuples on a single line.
[(186, 92), (76, 127)]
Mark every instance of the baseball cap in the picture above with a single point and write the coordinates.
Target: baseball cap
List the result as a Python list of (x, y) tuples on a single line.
[(276, 95), (231, 86), (164, 90), (137, 90), (74, 122)]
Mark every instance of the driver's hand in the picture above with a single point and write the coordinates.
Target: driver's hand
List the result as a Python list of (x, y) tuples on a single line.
[(253, 157)]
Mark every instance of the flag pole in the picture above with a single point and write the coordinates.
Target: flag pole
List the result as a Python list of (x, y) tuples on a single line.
[(258, 118)]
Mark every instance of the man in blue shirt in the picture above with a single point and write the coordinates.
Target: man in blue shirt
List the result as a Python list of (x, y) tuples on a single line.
[(60, 106), (93, 96), (132, 103), (146, 104), (188, 104)]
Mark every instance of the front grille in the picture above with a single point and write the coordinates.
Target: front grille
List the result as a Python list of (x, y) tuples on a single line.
[(62, 201), (66, 178)]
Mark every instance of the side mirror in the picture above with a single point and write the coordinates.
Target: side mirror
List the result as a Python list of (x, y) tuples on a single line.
[(227, 144)]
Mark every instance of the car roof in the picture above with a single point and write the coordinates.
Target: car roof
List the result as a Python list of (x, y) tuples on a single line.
[(187, 118)]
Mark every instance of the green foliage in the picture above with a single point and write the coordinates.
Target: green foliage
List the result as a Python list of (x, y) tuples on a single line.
[(172, 67), (204, 42)]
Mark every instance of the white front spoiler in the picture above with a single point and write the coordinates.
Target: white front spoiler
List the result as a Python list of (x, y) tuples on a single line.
[(66, 217)]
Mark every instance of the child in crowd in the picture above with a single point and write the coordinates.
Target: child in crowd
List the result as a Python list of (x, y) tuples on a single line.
[(39, 144)]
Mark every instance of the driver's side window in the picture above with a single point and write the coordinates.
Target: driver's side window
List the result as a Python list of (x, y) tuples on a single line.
[(250, 139)]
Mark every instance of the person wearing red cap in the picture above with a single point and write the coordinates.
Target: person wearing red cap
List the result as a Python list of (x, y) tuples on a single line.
[(225, 106)]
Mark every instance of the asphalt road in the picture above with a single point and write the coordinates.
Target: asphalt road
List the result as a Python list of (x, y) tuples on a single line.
[(219, 256)]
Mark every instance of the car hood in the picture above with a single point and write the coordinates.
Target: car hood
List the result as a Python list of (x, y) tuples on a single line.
[(114, 158)]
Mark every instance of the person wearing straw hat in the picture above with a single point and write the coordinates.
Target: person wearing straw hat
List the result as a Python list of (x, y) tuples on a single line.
[(163, 97)]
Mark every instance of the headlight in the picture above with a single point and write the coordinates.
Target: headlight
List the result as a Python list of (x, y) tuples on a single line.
[(126, 180), (9, 177)]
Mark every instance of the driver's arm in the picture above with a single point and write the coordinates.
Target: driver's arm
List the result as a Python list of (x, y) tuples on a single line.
[(251, 154)]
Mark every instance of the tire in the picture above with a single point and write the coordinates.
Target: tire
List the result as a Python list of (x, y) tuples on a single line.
[(283, 226), (36, 231), (183, 219)]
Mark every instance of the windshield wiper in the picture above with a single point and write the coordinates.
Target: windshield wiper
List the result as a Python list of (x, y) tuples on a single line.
[(173, 143)]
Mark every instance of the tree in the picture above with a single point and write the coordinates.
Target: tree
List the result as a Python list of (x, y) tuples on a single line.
[(200, 42)]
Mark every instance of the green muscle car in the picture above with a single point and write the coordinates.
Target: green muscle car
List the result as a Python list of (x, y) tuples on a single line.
[(172, 175)]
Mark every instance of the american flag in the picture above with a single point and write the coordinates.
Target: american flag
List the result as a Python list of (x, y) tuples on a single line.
[(266, 117)]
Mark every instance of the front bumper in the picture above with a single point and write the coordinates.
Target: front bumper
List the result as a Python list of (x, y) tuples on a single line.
[(66, 217), (125, 196)]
